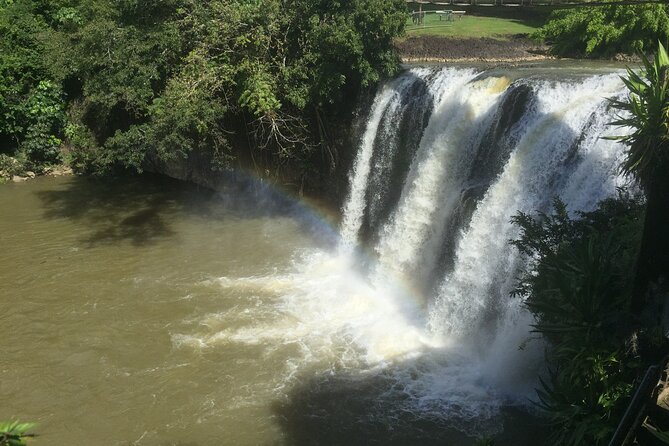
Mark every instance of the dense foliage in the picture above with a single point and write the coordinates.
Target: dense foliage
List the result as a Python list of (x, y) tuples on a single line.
[(167, 77), (31, 105), (597, 283), (579, 289), (604, 31)]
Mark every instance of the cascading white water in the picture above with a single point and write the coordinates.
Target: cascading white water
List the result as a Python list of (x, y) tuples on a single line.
[(432, 317), (386, 104), (387, 107), (560, 128), (410, 241), (557, 150)]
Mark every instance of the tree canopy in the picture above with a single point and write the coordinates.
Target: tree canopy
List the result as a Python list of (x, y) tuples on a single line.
[(176, 75)]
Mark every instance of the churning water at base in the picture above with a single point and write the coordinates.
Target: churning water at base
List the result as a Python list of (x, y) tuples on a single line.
[(153, 316)]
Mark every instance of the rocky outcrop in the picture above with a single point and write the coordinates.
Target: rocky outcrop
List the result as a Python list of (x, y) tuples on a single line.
[(14, 171), (324, 182), (196, 168)]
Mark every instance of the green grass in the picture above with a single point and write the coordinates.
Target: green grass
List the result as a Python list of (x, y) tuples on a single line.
[(474, 26)]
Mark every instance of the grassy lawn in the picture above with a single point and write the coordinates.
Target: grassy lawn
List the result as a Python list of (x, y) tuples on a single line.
[(498, 27)]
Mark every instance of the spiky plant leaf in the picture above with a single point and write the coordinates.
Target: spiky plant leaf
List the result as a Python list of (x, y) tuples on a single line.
[(646, 112)]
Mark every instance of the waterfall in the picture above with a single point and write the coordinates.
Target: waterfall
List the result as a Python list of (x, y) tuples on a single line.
[(484, 146), (409, 317)]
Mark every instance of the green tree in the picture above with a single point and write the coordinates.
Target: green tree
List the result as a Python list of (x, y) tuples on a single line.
[(29, 102), (157, 79), (230, 77), (646, 112)]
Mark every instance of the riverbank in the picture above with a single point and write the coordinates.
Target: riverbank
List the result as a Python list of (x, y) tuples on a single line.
[(12, 169), (457, 49)]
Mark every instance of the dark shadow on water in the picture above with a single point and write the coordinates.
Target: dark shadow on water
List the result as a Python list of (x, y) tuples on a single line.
[(136, 210), (141, 210), (140, 228), (349, 409)]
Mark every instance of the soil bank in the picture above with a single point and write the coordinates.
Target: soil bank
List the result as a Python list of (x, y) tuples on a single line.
[(451, 49)]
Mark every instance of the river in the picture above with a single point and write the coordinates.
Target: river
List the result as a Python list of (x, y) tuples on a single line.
[(102, 285)]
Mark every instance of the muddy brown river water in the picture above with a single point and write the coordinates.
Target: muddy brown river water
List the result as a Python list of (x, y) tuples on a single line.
[(145, 311)]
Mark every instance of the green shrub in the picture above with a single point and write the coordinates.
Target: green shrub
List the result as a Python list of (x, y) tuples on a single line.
[(31, 102), (603, 31), (646, 114), (82, 150), (168, 77), (579, 290), (45, 118), (10, 166)]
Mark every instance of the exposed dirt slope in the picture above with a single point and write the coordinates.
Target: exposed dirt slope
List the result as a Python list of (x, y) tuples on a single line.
[(447, 49)]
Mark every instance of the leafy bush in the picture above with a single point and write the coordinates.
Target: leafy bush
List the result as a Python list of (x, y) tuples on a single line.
[(82, 151), (579, 290), (647, 108), (10, 166), (45, 118), (14, 433), (32, 106), (21, 67), (164, 78), (604, 31)]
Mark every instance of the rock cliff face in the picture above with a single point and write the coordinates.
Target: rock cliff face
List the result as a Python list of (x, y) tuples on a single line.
[(322, 176), (323, 179), (196, 168)]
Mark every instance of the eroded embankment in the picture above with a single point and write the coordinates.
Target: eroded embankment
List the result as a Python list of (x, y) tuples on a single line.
[(484, 49)]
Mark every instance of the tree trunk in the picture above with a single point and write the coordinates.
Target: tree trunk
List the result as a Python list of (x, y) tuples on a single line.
[(653, 263)]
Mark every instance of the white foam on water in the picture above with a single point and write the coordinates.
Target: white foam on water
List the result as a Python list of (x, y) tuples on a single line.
[(324, 319), (322, 303)]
